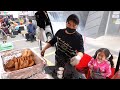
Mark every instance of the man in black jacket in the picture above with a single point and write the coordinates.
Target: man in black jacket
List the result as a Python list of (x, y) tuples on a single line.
[(69, 43), (41, 19)]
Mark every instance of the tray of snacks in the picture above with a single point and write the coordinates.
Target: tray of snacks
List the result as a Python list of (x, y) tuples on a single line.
[(21, 64)]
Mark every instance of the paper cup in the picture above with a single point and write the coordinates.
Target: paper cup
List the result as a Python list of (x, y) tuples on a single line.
[(61, 68), (60, 76), (59, 72)]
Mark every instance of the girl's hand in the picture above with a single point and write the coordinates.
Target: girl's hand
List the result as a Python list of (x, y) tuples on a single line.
[(91, 67), (102, 74)]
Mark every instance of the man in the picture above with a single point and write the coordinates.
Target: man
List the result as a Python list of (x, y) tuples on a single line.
[(30, 36), (69, 43), (41, 19)]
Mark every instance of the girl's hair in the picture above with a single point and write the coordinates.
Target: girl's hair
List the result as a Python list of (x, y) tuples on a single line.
[(107, 53)]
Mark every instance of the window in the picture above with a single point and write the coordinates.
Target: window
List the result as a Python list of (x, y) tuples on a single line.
[(31, 17)]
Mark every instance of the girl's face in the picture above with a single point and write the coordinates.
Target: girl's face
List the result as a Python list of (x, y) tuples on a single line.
[(101, 56)]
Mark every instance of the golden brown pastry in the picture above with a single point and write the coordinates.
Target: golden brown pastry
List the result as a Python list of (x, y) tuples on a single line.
[(14, 59), (11, 69), (24, 58), (21, 62), (17, 59), (31, 61), (32, 57), (24, 53), (10, 64), (25, 63), (27, 58), (16, 66), (29, 53)]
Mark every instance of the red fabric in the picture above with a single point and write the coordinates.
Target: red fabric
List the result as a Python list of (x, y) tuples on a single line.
[(117, 75), (88, 74), (112, 74), (83, 64)]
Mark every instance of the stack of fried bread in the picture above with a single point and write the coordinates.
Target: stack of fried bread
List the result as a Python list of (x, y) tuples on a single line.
[(24, 61)]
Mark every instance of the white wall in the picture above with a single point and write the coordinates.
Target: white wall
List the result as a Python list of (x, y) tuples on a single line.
[(31, 13), (14, 13)]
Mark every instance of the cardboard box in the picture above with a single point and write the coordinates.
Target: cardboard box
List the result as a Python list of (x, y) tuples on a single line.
[(24, 73)]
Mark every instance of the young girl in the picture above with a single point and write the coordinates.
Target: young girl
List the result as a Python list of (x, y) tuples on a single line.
[(101, 63)]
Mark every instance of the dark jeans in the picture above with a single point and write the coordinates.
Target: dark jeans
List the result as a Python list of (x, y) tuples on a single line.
[(30, 37), (60, 61)]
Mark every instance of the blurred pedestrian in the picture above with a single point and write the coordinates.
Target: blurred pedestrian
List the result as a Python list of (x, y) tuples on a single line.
[(41, 24), (30, 36), (5, 32)]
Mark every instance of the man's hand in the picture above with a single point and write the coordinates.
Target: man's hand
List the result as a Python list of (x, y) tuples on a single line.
[(75, 60), (46, 47), (42, 52)]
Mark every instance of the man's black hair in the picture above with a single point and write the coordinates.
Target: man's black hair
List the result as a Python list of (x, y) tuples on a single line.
[(30, 20), (74, 18)]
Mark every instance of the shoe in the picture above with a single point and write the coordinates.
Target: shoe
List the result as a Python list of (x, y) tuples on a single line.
[(28, 39), (31, 41)]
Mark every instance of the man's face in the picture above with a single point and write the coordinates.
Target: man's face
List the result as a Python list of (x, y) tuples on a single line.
[(71, 25), (30, 22)]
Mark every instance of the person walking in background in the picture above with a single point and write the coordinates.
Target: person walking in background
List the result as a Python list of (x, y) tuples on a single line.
[(41, 19)]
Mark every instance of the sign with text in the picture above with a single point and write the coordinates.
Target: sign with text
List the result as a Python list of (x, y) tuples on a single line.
[(115, 16), (117, 21)]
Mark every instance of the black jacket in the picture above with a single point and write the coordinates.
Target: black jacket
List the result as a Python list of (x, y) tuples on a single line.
[(41, 19)]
